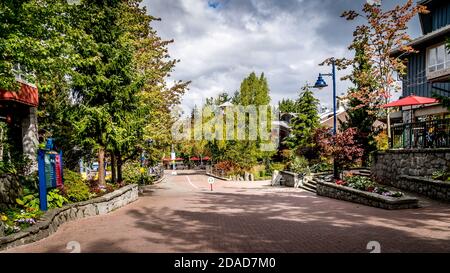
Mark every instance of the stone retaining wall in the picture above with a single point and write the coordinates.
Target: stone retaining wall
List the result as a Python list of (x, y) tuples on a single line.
[(290, 179), (439, 190), (390, 165), (9, 190), (52, 219), (366, 198)]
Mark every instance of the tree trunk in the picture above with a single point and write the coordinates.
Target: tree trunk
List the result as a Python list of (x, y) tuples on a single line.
[(113, 168), (101, 166), (119, 168)]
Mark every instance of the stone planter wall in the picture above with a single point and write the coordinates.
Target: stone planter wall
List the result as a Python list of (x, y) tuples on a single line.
[(411, 170), (366, 198), (435, 189), (390, 165), (9, 190), (290, 179), (52, 219)]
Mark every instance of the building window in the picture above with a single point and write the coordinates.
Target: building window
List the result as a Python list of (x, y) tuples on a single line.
[(438, 58)]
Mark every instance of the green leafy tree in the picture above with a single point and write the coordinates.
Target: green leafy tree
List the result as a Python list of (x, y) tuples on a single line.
[(362, 116), (36, 40), (245, 154), (254, 90)]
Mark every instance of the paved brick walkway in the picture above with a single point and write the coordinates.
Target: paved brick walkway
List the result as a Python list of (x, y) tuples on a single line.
[(182, 215)]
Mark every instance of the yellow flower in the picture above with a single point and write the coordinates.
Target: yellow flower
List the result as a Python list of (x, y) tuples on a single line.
[(4, 218)]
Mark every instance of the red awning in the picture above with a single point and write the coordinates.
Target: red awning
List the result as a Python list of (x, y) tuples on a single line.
[(206, 158), (27, 94), (195, 158), (410, 101)]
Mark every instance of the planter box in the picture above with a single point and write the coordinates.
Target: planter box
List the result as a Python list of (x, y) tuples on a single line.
[(366, 198), (52, 219), (435, 189)]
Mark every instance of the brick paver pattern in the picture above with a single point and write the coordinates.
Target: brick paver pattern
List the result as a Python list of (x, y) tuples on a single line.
[(181, 214)]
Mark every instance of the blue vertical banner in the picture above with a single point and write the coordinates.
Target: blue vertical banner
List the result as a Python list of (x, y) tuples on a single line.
[(50, 168), (42, 180)]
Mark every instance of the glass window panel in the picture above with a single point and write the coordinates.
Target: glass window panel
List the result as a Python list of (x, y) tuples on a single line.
[(432, 56), (447, 58), (441, 54), (432, 68), (440, 67)]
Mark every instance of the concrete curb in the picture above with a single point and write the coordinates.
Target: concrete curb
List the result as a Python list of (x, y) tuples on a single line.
[(218, 177), (54, 218), (143, 188)]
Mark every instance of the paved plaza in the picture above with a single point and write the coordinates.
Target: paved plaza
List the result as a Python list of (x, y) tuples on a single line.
[(181, 214)]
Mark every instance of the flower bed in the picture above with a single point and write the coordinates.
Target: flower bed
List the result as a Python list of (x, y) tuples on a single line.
[(362, 192), (26, 212), (52, 219), (364, 183)]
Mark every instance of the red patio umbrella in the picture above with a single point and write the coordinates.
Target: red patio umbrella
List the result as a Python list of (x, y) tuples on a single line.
[(410, 101)]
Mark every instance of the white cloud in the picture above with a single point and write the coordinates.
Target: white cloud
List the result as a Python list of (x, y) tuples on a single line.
[(220, 46)]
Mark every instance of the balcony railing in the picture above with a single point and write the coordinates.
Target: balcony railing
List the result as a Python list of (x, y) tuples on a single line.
[(426, 134)]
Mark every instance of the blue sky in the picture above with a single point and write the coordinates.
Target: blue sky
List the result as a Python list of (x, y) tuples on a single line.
[(219, 42)]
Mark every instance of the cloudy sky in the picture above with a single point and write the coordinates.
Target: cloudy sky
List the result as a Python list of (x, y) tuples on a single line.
[(219, 42)]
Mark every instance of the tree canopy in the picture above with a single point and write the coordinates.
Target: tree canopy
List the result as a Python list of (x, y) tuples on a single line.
[(101, 71)]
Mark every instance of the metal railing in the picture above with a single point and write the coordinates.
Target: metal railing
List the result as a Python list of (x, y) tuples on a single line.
[(418, 135)]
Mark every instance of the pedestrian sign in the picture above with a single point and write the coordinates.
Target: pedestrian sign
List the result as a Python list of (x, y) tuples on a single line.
[(211, 180)]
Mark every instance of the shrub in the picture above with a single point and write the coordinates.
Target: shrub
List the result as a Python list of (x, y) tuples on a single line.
[(382, 141), (132, 172), (55, 199), (360, 182), (276, 167), (299, 165), (364, 183), (74, 187), (322, 167), (228, 168), (441, 175), (30, 200)]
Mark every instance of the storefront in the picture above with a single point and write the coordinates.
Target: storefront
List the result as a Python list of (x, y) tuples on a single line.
[(18, 118)]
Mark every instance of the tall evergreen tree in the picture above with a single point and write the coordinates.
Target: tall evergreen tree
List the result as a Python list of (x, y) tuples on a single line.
[(304, 125), (288, 106), (103, 82)]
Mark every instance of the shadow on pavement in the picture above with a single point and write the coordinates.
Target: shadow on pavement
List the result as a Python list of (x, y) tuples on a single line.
[(291, 222)]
